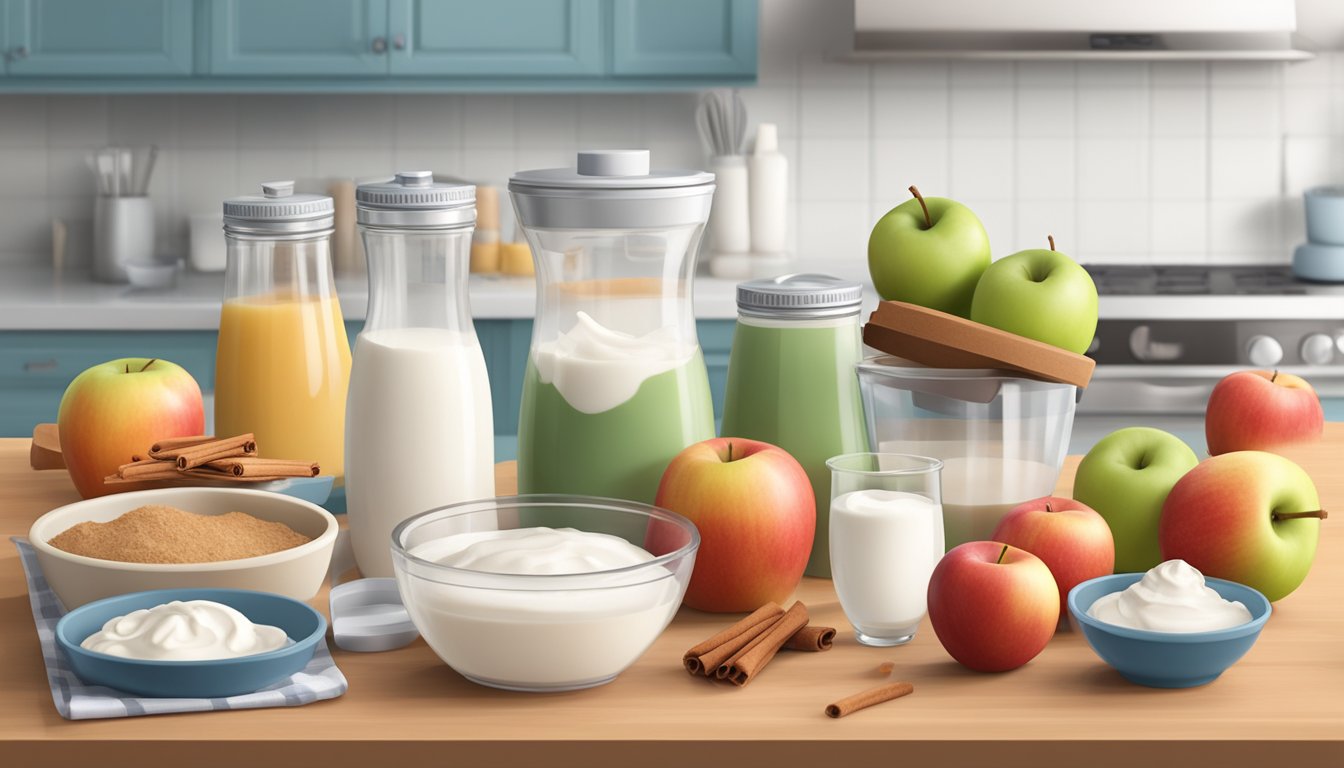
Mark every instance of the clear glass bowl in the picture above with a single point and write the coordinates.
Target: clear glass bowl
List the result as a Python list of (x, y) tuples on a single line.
[(551, 632)]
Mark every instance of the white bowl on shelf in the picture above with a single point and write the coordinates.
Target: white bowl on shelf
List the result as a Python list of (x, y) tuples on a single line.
[(151, 275)]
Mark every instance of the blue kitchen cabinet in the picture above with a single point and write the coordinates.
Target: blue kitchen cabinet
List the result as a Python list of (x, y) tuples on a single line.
[(668, 38), (98, 38), (322, 38), (501, 38)]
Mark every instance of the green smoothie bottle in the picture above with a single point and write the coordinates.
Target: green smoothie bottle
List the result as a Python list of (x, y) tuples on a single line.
[(792, 380), (615, 385)]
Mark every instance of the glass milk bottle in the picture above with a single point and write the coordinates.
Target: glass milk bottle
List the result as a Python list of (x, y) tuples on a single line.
[(615, 385), (419, 428), (283, 361), (792, 380)]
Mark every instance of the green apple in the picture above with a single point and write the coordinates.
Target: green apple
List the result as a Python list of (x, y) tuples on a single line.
[(929, 251), (1043, 295), (1247, 516), (1126, 478)]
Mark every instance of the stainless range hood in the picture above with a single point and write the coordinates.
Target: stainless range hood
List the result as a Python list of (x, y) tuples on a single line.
[(1106, 30)]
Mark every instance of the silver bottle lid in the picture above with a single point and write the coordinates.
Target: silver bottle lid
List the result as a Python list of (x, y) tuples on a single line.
[(278, 211), (414, 200), (799, 297), (611, 189)]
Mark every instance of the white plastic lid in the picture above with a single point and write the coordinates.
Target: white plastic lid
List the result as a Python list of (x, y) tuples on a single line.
[(611, 189), (278, 211), (799, 296), (414, 200)]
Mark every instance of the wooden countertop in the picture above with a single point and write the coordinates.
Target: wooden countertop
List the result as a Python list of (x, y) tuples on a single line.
[(1282, 705)]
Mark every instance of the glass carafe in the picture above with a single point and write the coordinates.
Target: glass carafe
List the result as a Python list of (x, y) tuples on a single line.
[(615, 384), (419, 428), (283, 361)]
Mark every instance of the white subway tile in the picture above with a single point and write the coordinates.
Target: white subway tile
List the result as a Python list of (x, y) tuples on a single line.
[(26, 224), (77, 121), (992, 74), (428, 121), (982, 169), (911, 75), (1245, 73), (361, 163), (1244, 168), (256, 165), (1292, 223), (1244, 112), (1180, 168), (1046, 74), (267, 122), (686, 154), (1113, 111), (1046, 169), (1113, 169), (899, 163), (1179, 226), (833, 230), (1116, 228), (443, 161), (911, 112), (23, 173), (1180, 111), (207, 121), (1242, 229), (1046, 112), (488, 121), (1315, 71), (1112, 74), (23, 121), (834, 169), (1178, 73), (345, 122), (489, 166), (609, 120), (1179, 258), (552, 121), (205, 178), (830, 113), (1306, 164), (1037, 220), (764, 105), (139, 120), (68, 172), (1306, 111), (984, 112), (818, 67)]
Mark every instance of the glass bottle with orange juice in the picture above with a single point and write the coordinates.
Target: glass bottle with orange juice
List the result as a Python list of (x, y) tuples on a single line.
[(283, 362)]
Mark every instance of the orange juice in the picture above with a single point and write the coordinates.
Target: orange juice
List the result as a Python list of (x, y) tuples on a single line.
[(281, 372)]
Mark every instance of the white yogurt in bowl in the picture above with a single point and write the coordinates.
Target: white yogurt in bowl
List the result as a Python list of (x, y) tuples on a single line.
[(536, 608), (194, 630), (1171, 597)]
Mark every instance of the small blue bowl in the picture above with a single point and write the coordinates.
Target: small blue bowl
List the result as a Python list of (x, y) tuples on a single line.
[(193, 679), (1167, 659)]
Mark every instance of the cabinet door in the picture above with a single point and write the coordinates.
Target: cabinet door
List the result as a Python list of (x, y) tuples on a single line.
[(537, 38), (298, 37), (684, 37), (97, 38)]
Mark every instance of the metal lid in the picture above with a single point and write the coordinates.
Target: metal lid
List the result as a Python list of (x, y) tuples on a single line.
[(611, 189), (278, 211), (799, 296), (414, 199)]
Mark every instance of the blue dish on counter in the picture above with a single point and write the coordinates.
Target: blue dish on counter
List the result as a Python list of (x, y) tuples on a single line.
[(216, 678), (1168, 659)]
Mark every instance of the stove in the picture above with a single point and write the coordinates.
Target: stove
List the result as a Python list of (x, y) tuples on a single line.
[(1167, 334)]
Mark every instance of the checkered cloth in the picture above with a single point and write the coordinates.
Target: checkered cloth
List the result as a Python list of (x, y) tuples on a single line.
[(77, 701)]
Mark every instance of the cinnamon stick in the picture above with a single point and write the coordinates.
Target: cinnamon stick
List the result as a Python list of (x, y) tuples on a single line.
[(865, 699), (229, 447), (749, 662), (251, 466), (146, 469), (812, 638), (177, 443), (706, 656)]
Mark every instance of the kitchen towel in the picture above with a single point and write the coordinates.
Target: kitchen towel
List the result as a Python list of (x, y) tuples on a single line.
[(76, 701)]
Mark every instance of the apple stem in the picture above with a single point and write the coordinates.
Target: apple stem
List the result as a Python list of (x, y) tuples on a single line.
[(928, 220), (1317, 513), (128, 367), (151, 362), (1273, 376), (1048, 507), (1002, 552), (1051, 238), (730, 451)]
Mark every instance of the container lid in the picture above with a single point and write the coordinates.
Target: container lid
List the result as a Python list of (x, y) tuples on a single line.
[(799, 296), (278, 211), (368, 616), (413, 199), (611, 189)]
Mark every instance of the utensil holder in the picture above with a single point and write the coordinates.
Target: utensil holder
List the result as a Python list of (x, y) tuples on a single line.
[(123, 232)]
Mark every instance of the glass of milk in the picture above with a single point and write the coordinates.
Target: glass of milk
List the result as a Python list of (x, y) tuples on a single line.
[(886, 537)]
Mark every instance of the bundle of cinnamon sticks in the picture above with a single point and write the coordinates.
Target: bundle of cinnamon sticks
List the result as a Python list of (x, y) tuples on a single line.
[(204, 456), (739, 653)]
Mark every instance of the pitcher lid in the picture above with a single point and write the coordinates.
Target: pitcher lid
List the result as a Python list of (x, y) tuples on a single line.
[(611, 189), (610, 169), (799, 296), (278, 210), (414, 199)]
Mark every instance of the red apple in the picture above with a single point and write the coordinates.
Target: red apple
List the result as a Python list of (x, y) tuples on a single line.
[(1248, 516), (1070, 537), (993, 606), (1260, 410), (120, 408), (754, 507)]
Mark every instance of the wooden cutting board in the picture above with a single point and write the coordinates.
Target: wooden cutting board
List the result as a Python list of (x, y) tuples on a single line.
[(45, 452), (939, 340)]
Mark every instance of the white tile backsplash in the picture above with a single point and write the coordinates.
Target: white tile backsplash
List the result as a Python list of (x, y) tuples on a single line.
[(1120, 111), (982, 169), (834, 113), (1113, 169), (1245, 168), (1244, 112), (1046, 169), (982, 112), (911, 113), (834, 169), (1180, 168), (899, 163)]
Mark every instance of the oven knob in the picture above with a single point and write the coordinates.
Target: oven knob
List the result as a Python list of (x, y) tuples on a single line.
[(1264, 351), (1318, 349)]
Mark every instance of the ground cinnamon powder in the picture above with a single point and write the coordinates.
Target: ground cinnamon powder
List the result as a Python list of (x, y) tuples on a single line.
[(156, 533)]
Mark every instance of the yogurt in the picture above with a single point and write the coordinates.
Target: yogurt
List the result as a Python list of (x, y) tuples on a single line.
[(1172, 597), (195, 630), (498, 624)]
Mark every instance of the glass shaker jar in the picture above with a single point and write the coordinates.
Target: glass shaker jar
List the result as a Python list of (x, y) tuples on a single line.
[(419, 427), (792, 380), (283, 361), (615, 385)]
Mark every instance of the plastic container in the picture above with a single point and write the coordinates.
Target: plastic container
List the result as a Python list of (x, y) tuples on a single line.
[(1001, 438), (545, 632), (1325, 215)]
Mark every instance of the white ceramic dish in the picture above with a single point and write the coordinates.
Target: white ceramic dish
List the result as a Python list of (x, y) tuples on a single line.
[(296, 572), (143, 275)]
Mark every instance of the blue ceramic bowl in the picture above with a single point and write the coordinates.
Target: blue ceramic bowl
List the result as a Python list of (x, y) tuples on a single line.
[(193, 679), (1167, 659)]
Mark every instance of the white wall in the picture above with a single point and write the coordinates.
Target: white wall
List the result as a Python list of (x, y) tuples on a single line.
[(1120, 162)]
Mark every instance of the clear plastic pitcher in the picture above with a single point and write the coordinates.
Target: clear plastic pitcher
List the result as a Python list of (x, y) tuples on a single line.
[(283, 361), (419, 427), (615, 384)]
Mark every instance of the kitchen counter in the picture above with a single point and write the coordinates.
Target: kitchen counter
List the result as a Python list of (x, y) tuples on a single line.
[(1279, 706)]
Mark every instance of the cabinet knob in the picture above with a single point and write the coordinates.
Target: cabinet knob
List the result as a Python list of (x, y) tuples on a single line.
[(399, 42), (32, 366), (1264, 351), (1318, 349), (380, 45)]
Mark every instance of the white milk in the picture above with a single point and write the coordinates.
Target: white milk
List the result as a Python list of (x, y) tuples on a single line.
[(884, 546), (596, 369), (531, 638), (419, 433)]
